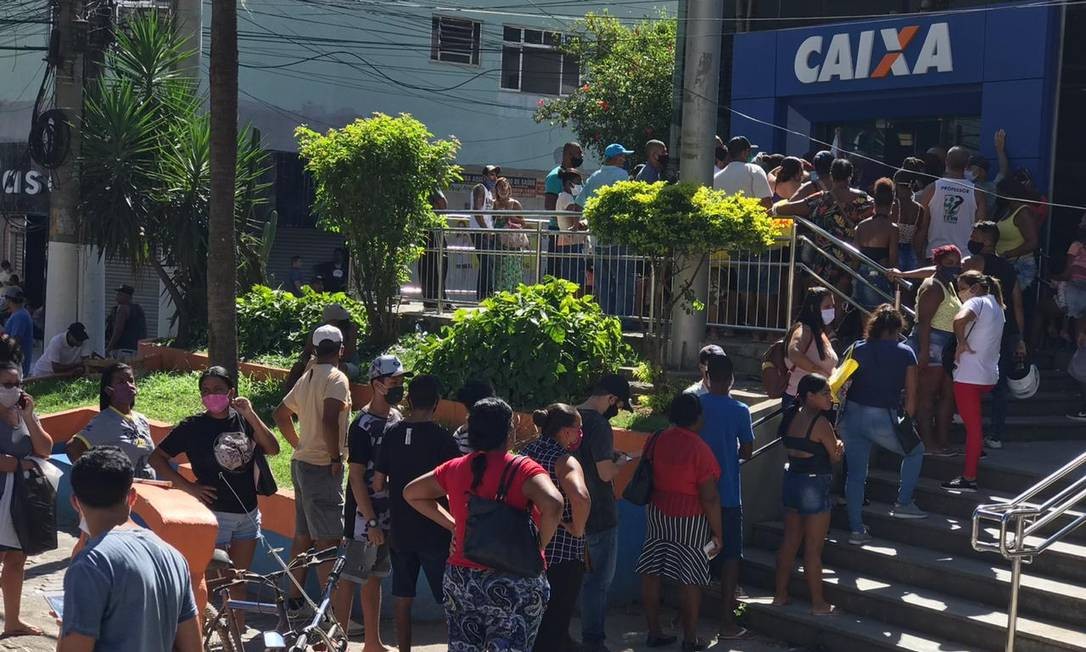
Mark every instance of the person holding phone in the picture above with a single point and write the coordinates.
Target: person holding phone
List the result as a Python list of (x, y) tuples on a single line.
[(21, 436), (222, 444), (684, 520)]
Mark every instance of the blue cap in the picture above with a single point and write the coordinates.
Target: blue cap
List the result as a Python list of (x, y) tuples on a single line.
[(615, 149)]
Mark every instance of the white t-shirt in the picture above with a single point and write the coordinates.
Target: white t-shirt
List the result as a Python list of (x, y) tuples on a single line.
[(983, 334), (748, 178), (58, 352)]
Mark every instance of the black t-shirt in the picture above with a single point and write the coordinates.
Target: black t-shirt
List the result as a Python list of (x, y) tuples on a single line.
[(598, 445), (216, 446), (1004, 270), (411, 450), (364, 439)]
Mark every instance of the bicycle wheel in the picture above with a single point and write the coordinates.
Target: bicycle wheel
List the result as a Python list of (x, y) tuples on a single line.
[(217, 634)]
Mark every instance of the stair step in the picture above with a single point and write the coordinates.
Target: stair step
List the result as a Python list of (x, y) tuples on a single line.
[(972, 579), (909, 606), (931, 497), (844, 632), (1040, 428), (1063, 560), (1001, 471)]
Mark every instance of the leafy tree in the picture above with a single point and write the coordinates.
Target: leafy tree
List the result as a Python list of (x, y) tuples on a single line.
[(675, 227), (145, 168), (626, 96), (373, 181)]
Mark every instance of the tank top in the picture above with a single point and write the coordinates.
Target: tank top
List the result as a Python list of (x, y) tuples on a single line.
[(135, 328), (818, 463), (1010, 236), (825, 365), (943, 319), (953, 209)]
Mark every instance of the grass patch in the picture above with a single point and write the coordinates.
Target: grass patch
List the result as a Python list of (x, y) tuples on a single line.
[(275, 360), (167, 397), (641, 420)]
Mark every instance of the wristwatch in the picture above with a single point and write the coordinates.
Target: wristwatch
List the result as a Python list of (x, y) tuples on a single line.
[(372, 523)]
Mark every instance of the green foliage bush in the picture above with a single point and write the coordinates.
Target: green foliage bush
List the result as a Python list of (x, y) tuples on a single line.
[(276, 321), (537, 345)]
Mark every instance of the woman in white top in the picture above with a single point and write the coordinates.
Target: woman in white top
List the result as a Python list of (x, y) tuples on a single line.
[(978, 327), (808, 342)]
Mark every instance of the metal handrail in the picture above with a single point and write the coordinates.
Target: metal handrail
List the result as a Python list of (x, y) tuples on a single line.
[(850, 248), (1024, 519), (856, 276), (757, 422)]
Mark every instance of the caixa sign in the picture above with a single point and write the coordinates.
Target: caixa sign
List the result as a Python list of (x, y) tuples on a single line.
[(905, 51)]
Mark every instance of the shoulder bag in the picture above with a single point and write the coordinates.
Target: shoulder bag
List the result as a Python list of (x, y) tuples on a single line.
[(639, 490), (500, 536)]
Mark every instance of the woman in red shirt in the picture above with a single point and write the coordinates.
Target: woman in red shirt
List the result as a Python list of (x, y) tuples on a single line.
[(487, 609), (684, 530)]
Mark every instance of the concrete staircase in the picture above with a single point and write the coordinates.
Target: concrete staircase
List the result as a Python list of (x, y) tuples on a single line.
[(919, 585)]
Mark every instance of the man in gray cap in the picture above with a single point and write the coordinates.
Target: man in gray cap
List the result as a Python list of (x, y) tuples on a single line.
[(701, 387)]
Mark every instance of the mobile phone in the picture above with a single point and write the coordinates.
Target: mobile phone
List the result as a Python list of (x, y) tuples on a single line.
[(710, 550), (55, 599), (21, 403)]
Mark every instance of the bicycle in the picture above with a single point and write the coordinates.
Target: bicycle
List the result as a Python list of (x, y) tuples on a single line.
[(221, 631)]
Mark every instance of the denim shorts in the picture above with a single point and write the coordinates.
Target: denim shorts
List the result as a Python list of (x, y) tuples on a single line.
[(937, 341), (363, 560), (806, 493), (236, 527)]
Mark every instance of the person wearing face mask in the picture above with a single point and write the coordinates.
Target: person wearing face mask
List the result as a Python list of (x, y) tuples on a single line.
[(656, 159), (601, 464), (412, 448), (482, 199), (560, 436), (321, 399), (508, 267), (21, 436), (683, 518), (978, 327), (808, 341), (117, 423), (366, 518), (222, 445), (936, 305), (554, 185), (569, 260)]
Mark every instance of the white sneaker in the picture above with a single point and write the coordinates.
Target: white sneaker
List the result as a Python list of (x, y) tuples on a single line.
[(859, 538), (994, 444), (1077, 416)]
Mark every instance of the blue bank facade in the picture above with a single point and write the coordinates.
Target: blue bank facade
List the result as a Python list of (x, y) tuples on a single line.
[(894, 87)]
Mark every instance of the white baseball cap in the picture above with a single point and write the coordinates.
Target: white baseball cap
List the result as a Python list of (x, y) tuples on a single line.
[(327, 332)]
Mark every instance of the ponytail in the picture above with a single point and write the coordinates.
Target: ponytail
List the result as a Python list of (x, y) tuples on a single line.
[(557, 416), (489, 424), (478, 470), (989, 284)]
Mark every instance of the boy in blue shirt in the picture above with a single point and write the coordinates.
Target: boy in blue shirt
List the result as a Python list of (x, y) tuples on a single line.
[(728, 432)]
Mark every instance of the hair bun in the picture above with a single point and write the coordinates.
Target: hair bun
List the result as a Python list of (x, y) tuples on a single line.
[(539, 418)]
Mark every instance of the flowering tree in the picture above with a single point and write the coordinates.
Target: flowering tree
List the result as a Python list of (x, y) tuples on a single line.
[(626, 95)]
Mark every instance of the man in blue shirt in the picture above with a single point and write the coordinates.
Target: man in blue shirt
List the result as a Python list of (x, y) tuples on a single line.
[(20, 326), (614, 275), (656, 159), (127, 589), (729, 433)]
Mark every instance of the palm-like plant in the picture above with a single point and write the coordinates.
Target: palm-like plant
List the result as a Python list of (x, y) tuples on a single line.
[(146, 168)]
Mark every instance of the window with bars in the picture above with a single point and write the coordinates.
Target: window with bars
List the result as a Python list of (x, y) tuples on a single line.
[(532, 63), (454, 40)]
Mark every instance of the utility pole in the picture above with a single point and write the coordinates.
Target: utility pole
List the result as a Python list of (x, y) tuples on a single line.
[(62, 282), (701, 80)]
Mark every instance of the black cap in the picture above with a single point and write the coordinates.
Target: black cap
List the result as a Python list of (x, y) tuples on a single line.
[(618, 386), (720, 367), (487, 169), (709, 350), (78, 332), (127, 289), (739, 143), (823, 160), (979, 161)]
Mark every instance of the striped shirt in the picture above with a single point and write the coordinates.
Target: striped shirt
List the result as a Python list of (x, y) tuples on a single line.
[(564, 546)]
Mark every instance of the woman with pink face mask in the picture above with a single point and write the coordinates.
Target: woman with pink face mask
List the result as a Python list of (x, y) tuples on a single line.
[(223, 445), (117, 422), (560, 436)]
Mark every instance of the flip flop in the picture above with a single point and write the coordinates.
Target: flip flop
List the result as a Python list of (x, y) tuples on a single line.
[(738, 636), (22, 631), (824, 614)]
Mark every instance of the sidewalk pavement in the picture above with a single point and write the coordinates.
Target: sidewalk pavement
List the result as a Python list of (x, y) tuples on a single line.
[(626, 627)]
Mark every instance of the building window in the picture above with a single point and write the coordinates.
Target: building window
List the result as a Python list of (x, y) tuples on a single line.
[(532, 63), (454, 40)]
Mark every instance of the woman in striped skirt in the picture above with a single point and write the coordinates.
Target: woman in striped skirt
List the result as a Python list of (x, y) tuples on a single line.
[(684, 529)]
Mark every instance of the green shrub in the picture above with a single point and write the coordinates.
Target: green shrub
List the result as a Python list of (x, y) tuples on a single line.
[(537, 345), (275, 322)]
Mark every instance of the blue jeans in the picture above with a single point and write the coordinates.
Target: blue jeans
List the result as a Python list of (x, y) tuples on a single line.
[(862, 426), (864, 294), (906, 257), (602, 555), (614, 280)]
